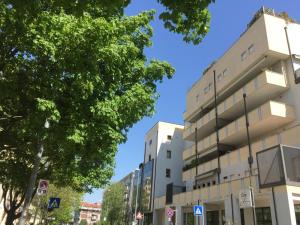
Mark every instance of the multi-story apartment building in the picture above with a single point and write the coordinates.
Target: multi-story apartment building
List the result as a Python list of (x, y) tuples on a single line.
[(129, 197), (90, 212), (162, 166), (243, 120)]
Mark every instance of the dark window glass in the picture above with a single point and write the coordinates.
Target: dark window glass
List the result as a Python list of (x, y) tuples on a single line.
[(169, 154), (263, 216), (168, 173), (169, 137), (212, 217)]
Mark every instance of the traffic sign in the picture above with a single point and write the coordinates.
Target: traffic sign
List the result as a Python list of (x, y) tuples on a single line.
[(246, 198), (42, 187), (198, 210), (170, 213), (139, 216), (54, 203)]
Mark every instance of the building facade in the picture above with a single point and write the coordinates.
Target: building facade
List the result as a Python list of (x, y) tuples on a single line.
[(129, 196), (242, 126), (91, 212), (162, 166)]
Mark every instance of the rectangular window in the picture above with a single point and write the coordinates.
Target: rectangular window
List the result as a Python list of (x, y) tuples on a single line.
[(169, 137), (263, 215), (244, 55), (219, 77), (168, 172), (206, 90), (169, 154), (251, 49), (225, 72), (150, 142), (149, 157)]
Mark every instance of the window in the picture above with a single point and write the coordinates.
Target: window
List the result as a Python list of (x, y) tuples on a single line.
[(169, 137), (251, 49), (150, 142), (244, 55), (206, 90), (263, 216), (225, 72), (169, 154), (219, 77), (149, 157), (197, 98), (168, 172)]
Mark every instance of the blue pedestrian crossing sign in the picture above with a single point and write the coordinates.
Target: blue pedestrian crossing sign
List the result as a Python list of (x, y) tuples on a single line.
[(54, 203), (198, 210)]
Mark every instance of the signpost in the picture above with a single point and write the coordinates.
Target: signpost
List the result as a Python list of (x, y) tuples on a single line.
[(43, 187), (53, 203), (198, 212)]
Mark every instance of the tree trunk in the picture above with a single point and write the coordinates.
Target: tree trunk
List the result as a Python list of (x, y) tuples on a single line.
[(32, 181), (10, 216)]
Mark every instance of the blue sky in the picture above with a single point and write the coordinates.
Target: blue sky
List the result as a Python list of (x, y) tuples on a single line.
[(229, 20)]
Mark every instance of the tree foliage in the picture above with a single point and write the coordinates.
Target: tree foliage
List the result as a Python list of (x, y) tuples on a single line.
[(81, 66), (113, 206), (70, 202)]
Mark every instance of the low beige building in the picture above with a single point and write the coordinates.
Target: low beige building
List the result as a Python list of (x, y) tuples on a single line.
[(242, 132)]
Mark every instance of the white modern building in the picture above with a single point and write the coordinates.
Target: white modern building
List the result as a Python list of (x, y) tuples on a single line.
[(243, 119), (163, 147)]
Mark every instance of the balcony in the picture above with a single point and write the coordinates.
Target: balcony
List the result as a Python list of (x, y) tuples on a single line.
[(265, 86), (215, 192), (262, 120), (245, 58), (279, 165)]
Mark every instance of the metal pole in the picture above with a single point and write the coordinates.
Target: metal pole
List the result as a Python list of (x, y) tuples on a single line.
[(217, 125), (291, 56), (196, 150), (250, 158), (274, 204), (137, 194), (232, 212)]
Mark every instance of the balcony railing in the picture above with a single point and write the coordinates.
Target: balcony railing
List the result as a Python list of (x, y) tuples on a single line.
[(279, 165), (263, 119), (264, 87)]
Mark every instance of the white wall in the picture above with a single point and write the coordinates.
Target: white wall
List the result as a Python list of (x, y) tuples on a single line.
[(158, 150)]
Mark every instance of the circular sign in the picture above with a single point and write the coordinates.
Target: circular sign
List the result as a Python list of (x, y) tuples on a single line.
[(170, 213), (139, 216)]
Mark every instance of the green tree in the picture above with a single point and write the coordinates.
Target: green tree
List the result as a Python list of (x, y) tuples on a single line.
[(80, 66), (83, 222), (70, 202), (113, 206)]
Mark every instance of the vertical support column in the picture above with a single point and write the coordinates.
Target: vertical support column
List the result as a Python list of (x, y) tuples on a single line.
[(217, 125), (286, 208), (166, 218), (179, 215), (248, 215), (232, 210)]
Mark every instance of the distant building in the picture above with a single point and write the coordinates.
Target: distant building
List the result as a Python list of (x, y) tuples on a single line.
[(91, 212), (129, 196)]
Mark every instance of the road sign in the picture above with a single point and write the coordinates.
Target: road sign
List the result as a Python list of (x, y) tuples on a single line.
[(43, 187), (246, 198), (139, 216), (170, 213), (54, 203), (198, 210)]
